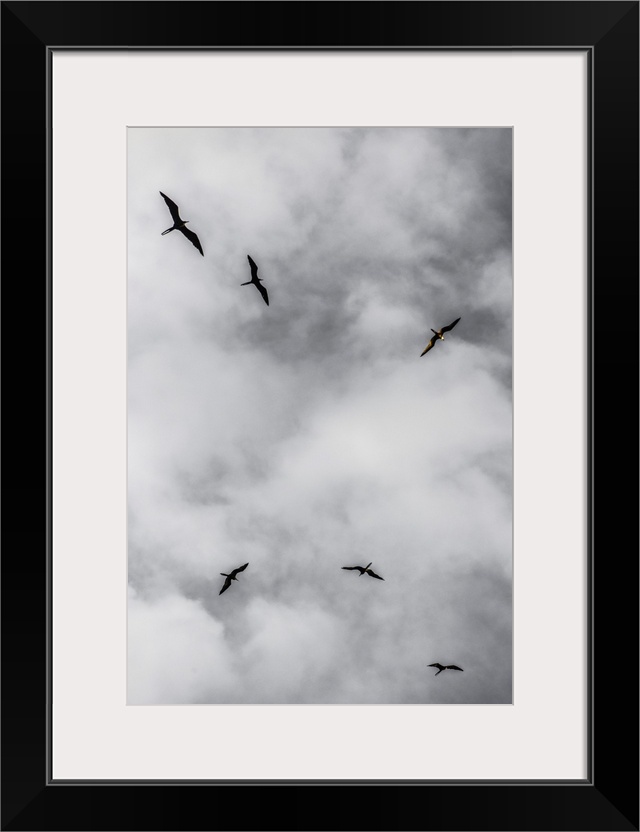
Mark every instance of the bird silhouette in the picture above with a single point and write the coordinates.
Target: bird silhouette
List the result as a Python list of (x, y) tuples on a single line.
[(445, 667), (365, 569), (257, 282), (231, 577), (180, 224), (438, 336)]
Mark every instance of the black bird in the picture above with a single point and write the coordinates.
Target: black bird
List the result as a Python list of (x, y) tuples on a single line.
[(180, 224), (231, 577), (445, 667), (438, 335), (364, 569), (257, 282)]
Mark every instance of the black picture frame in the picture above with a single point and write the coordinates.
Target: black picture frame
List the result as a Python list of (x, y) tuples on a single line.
[(608, 799)]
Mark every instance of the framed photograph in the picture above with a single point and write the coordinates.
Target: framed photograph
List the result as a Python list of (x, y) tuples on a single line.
[(311, 441), (367, 353)]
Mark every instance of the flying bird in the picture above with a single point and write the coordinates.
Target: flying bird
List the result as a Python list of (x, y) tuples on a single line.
[(364, 569), (231, 577), (439, 335), (257, 282), (180, 224), (442, 667)]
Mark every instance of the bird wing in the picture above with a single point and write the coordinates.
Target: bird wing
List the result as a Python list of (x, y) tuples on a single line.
[(172, 207), (227, 584), (429, 345), (436, 664), (254, 267), (239, 569), (352, 567), (263, 292), (451, 326), (191, 235), (452, 667), (373, 574)]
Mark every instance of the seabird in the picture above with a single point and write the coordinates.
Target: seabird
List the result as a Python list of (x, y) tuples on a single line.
[(231, 577), (445, 667), (257, 282), (439, 335), (364, 569), (180, 224)]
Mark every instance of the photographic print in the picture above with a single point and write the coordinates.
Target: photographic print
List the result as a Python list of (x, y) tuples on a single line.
[(319, 415)]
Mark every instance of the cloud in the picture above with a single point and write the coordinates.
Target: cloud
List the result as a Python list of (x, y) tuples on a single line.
[(179, 653), (310, 434)]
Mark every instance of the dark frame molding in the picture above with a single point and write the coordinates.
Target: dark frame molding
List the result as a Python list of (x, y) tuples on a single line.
[(608, 799)]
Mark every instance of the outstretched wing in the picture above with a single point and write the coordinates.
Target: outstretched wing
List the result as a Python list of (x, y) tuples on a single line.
[(227, 584), (190, 235), (172, 207), (451, 326), (452, 667), (351, 567), (254, 267), (263, 292), (239, 569), (373, 574), (436, 664), (429, 345)]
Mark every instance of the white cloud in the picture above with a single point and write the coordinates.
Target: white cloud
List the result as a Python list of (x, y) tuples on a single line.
[(178, 653)]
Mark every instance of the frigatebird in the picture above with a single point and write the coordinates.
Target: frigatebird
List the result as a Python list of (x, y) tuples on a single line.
[(257, 282), (445, 667), (439, 335), (180, 224), (231, 577), (364, 569)]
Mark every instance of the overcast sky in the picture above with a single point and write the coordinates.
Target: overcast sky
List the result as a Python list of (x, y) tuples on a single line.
[(310, 434)]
